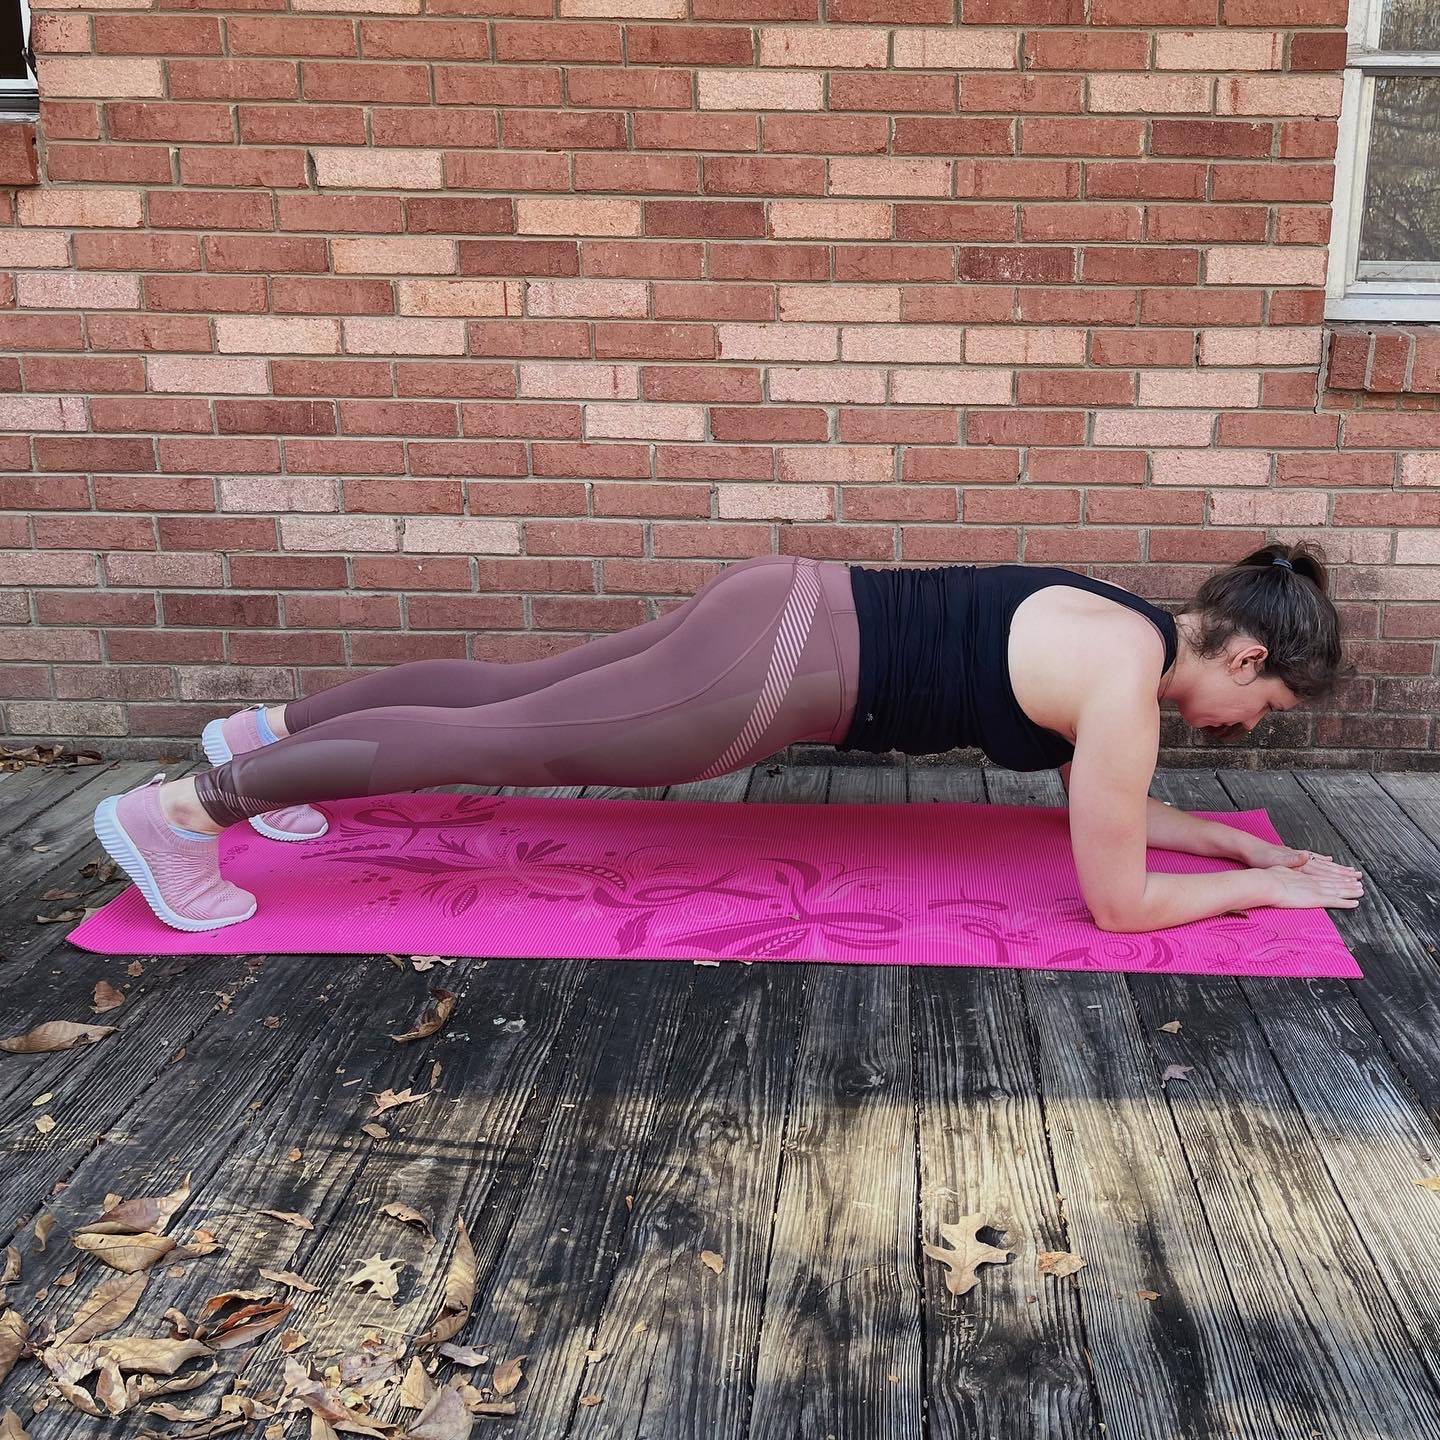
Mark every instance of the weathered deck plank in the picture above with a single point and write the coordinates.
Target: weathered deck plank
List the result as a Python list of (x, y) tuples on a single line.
[(1292, 1251), (1007, 1359), (1178, 1364), (840, 1344)]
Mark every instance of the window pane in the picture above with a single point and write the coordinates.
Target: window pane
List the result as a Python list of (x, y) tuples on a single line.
[(1410, 25), (1401, 218), (12, 43)]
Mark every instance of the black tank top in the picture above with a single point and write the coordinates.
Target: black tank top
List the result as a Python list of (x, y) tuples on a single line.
[(934, 671)]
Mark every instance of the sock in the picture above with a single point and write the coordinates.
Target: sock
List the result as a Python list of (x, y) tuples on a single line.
[(262, 724), (189, 834)]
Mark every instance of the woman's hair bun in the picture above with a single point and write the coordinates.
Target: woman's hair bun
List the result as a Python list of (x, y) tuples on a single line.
[(1305, 559)]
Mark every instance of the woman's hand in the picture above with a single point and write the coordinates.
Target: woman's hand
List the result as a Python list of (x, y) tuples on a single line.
[(1261, 854), (1310, 880)]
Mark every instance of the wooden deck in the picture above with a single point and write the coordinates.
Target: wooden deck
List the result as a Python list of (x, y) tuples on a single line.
[(1260, 1258)]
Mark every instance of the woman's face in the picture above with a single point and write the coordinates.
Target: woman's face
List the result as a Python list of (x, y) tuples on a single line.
[(1231, 697)]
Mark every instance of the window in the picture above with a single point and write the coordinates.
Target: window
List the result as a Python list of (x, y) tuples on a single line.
[(17, 75), (1385, 241)]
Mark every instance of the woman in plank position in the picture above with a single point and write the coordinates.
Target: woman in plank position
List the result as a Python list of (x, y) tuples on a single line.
[(1037, 666)]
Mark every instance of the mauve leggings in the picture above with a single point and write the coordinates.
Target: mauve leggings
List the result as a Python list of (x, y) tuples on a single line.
[(765, 653)]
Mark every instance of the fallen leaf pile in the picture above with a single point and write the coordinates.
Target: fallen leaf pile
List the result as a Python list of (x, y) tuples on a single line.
[(56, 756)]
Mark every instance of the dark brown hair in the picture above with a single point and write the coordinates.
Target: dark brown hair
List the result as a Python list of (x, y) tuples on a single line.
[(1288, 610)]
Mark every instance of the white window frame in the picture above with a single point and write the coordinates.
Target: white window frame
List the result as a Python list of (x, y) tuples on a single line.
[(25, 93), (1347, 297)]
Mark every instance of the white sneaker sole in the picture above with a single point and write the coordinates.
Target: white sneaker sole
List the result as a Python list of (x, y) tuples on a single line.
[(123, 852), (217, 752)]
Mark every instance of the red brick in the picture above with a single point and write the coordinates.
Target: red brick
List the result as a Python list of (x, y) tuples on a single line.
[(655, 131), (909, 426), (528, 420), (156, 120), (109, 163), (769, 424), (460, 379), (124, 250), (149, 333), (936, 220), (92, 453), (19, 159), (891, 93), (318, 377), (234, 80), (556, 339), (211, 210), (564, 130), (602, 89), (1229, 138), (363, 214), (304, 124), (1046, 265), (637, 174), (729, 218), (825, 134), (687, 45), (205, 293), (144, 413), (209, 532), (345, 457), (305, 295), (701, 383), (70, 119), (612, 461), (87, 375), (756, 9), (568, 40), (467, 457), (266, 254), (643, 340), (432, 214), (251, 166), (1317, 50), (894, 263), (398, 417), (230, 457), (423, 39), (769, 262), (998, 427), (275, 417), (521, 170), (1158, 265), (404, 497), (506, 86), (1146, 179), (306, 35), (387, 82), (630, 258), (747, 175), (428, 127), (1272, 181), (1022, 94), (157, 35)]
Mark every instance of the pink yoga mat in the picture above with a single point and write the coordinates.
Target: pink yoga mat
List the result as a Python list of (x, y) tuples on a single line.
[(531, 876)]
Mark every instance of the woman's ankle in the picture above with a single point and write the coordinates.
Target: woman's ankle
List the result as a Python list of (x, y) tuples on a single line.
[(180, 806), (275, 719)]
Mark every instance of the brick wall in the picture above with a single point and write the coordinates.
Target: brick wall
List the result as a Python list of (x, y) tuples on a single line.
[(347, 334)]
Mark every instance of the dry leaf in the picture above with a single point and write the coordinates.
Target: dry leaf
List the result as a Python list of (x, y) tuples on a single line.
[(146, 1215), (10, 1426), (127, 1253), (110, 1388), (1148, 1294), (712, 1261), (1176, 1072), (507, 1376), (166, 1411), (43, 1226), (444, 1418), (321, 1400), (382, 1276), (107, 997), (595, 1356), (109, 1304), (1171, 1027), (292, 1340), (149, 1357), (14, 1332), (135, 969), (290, 1278), (55, 1034), (466, 1355), (459, 1290), (416, 1390), (1060, 1262), (44, 1123), (429, 962), (290, 1218), (10, 1270), (61, 917), (966, 1254), (588, 1400), (44, 1099), (248, 1323), (390, 1099), (408, 1215), (433, 1017), (375, 1132)]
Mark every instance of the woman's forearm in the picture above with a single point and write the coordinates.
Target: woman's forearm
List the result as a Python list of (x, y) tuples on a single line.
[(1179, 899), (1168, 828)]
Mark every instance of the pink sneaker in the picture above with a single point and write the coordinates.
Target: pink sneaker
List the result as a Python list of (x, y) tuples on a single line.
[(179, 877), (234, 735)]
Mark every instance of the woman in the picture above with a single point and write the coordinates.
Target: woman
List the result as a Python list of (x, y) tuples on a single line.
[(1038, 666)]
